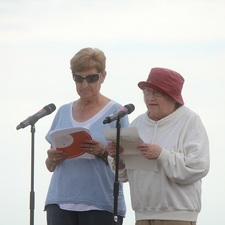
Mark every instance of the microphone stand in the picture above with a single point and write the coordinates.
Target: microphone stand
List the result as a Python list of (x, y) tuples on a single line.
[(32, 122), (32, 193), (116, 183)]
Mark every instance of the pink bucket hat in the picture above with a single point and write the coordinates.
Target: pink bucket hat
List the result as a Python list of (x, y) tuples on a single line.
[(166, 81)]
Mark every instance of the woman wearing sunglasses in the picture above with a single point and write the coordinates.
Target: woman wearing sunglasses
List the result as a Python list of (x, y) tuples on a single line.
[(81, 188)]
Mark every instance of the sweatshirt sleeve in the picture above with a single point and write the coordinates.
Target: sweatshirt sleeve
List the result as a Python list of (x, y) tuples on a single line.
[(122, 174), (190, 162)]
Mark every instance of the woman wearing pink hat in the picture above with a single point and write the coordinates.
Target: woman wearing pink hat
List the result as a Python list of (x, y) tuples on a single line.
[(176, 142)]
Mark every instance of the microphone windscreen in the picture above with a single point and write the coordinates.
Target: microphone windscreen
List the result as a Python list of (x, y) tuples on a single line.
[(50, 108), (130, 108)]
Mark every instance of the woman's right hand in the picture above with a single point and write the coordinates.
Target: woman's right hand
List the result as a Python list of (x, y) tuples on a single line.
[(54, 157), (111, 148)]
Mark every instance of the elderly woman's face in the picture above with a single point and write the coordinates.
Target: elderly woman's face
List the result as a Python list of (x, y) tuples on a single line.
[(158, 104), (88, 82)]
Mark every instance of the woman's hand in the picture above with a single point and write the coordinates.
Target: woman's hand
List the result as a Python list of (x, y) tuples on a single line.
[(96, 148), (150, 151), (112, 152), (112, 149), (93, 147), (54, 157)]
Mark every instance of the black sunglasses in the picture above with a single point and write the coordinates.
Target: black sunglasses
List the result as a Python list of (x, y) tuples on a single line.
[(92, 78)]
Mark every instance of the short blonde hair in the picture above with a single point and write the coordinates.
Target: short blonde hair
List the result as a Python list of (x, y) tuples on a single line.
[(88, 58)]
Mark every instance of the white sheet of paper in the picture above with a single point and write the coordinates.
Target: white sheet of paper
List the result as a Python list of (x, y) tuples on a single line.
[(129, 139), (138, 162)]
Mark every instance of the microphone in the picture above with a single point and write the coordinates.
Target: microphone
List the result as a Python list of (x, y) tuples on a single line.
[(48, 109), (127, 109)]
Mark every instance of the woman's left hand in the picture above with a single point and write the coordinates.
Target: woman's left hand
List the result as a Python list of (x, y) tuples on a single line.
[(150, 151), (93, 147)]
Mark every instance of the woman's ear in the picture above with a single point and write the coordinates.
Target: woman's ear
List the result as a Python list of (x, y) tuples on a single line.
[(103, 76)]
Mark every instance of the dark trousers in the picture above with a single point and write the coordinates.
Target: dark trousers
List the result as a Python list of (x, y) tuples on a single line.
[(164, 222), (57, 216)]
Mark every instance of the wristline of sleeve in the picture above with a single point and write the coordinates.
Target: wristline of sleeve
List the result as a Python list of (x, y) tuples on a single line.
[(164, 155)]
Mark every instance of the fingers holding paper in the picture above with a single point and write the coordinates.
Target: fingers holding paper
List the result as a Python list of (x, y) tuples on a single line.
[(112, 149), (150, 151), (93, 147), (56, 156)]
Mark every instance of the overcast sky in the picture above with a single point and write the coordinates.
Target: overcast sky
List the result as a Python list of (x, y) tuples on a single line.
[(39, 37)]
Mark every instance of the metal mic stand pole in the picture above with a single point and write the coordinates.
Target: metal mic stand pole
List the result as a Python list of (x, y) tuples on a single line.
[(116, 183), (32, 194)]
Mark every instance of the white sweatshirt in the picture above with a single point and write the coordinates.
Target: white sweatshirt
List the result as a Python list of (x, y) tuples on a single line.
[(173, 191)]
